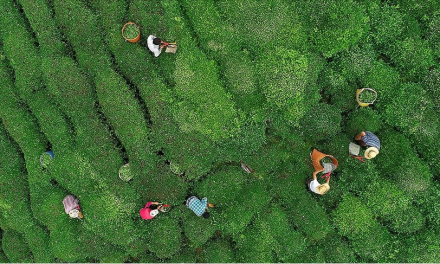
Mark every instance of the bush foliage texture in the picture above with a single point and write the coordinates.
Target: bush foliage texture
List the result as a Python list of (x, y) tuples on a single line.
[(256, 82)]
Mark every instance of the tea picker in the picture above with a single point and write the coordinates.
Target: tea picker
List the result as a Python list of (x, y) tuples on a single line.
[(321, 165), (156, 45), (199, 207), (151, 209), (367, 140), (71, 207)]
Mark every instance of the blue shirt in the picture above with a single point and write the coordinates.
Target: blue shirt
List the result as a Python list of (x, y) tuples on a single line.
[(371, 140), (197, 206)]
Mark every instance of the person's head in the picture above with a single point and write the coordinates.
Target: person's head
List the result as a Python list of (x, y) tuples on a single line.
[(75, 213), (206, 215), (157, 41), (371, 152), (323, 188)]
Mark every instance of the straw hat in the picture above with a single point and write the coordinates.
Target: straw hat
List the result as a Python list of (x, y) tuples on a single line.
[(323, 188), (371, 152)]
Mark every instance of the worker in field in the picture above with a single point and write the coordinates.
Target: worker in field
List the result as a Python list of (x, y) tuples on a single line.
[(71, 207), (151, 209), (315, 186), (199, 207), (156, 45), (369, 140)]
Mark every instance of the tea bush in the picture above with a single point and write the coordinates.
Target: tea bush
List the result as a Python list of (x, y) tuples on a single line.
[(393, 208), (402, 163), (196, 109), (218, 251), (334, 26), (321, 122), (165, 237), (373, 245), (25, 61), (352, 218), (386, 25), (262, 26), (363, 119), (285, 76), (39, 14), (15, 247), (198, 229), (412, 57), (255, 245)]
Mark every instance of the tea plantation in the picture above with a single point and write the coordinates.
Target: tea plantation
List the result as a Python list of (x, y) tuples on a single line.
[(262, 82)]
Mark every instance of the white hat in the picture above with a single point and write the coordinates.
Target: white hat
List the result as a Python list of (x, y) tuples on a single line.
[(74, 213), (154, 212), (371, 152)]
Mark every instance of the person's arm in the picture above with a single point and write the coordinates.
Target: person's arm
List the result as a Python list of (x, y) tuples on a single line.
[(150, 203), (359, 136), (204, 202), (314, 174)]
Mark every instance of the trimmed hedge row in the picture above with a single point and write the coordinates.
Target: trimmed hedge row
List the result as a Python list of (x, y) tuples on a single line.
[(40, 17), (25, 60), (115, 97)]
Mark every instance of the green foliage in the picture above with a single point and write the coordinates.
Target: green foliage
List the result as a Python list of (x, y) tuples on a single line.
[(433, 35), (373, 245), (237, 214), (386, 24), (363, 119), (198, 229), (281, 27), (39, 244), (15, 247), (255, 245), (222, 187), (205, 106), (165, 237), (421, 247), (334, 26), (285, 76), (321, 122), (384, 79), (263, 82), (352, 218), (337, 250), (218, 251), (287, 243), (308, 216), (39, 15), (412, 57), (355, 62), (393, 208), (401, 163), (412, 111)]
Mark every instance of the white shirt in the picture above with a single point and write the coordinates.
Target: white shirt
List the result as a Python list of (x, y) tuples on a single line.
[(312, 186), (153, 48)]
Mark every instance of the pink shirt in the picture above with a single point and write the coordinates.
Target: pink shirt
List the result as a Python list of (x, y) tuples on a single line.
[(145, 212), (70, 203)]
